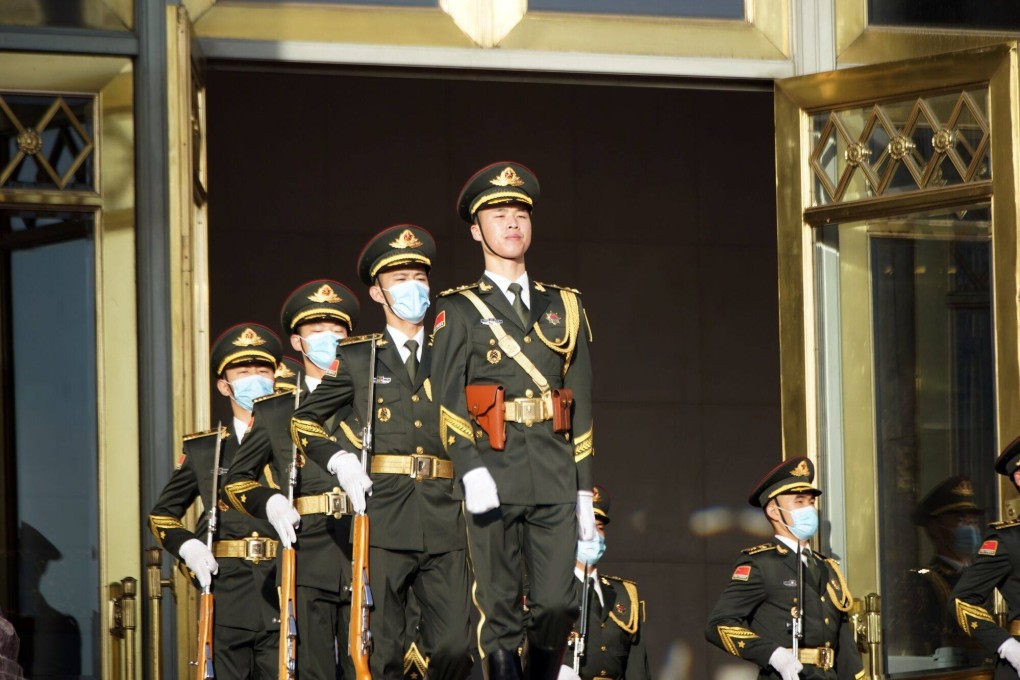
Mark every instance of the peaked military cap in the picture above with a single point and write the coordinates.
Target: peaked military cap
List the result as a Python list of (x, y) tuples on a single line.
[(1009, 460), (287, 373), (495, 184), (955, 494), (601, 500), (320, 299), (791, 476), (245, 343), (396, 246)]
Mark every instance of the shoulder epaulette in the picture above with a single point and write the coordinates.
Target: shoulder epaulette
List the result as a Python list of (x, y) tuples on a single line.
[(1005, 524), (553, 285), (206, 433), (620, 578), (764, 547), (626, 616), (355, 339), (451, 291), (274, 395)]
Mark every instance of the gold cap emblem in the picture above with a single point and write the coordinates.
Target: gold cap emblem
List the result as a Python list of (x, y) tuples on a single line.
[(964, 488), (596, 495), (508, 177), (407, 239), (282, 371), (325, 294), (801, 470), (248, 338)]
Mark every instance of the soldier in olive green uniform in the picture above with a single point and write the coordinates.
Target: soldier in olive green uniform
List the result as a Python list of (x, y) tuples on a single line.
[(510, 337), (317, 315), (921, 623), (752, 619), (997, 565), (246, 621), (615, 645), (417, 529)]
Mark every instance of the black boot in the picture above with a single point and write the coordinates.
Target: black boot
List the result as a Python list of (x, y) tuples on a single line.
[(542, 663), (502, 665)]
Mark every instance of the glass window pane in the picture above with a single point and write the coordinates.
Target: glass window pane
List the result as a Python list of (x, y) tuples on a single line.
[(94, 14), (704, 9), (997, 15), (53, 328)]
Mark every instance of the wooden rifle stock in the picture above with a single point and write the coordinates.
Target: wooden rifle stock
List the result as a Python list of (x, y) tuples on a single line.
[(288, 616), (359, 641), (207, 605)]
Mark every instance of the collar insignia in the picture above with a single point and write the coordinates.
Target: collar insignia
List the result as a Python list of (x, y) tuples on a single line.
[(508, 177), (407, 239), (248, 338), (325, 294)]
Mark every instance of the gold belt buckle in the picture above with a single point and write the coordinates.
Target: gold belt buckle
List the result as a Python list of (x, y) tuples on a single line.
[(336, 503), (422, 467), (826, 658), (255, 548), (529, 410)]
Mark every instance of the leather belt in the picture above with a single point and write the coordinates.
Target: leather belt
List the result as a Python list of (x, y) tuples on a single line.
[(416, 466), (823, 657), (1014, 627), (529, 410), (253, 548), (327, 503)]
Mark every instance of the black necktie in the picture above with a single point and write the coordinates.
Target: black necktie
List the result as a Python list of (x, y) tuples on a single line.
[(412, 359), (813, 569), (518, 303)]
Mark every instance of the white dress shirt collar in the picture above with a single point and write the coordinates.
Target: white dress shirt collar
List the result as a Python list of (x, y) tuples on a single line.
[(399, 339), (240, 427), (503, 284), (594, 576)]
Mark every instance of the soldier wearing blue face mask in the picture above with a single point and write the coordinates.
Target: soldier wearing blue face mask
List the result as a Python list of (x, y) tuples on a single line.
[(241, 565), (417, 530), (752, 619), (615, 644)]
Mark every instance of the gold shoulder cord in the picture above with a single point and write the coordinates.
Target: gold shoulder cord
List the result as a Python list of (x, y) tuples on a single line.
[(573, 324), (845, 602)]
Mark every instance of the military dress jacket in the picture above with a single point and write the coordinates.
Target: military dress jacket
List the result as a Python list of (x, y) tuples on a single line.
[(405, 514), (245, 590), (537, 466), (615, 647), (323, 541), (997, 565), (752, 616)]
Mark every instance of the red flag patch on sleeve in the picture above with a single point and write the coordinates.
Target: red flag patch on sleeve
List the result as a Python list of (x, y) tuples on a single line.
[(741, 573), (440, 321), (180, 461), (988, 548)]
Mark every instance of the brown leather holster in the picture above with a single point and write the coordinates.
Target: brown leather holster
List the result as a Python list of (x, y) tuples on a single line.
[(562, 400), (486, 406)]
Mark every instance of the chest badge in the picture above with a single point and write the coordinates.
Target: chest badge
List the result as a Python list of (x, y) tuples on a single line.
[(620, 609), (494, 356), (492, 322), (553, 318), (383, 380), (790, 583), (383, 414)]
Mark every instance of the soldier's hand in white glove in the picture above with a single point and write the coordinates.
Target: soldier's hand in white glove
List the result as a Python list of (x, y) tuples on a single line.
[(1010, 651), (347, 468), (282, 515), (567, 673), (585, 515), (196, 555), (786, 663), (480, 494)]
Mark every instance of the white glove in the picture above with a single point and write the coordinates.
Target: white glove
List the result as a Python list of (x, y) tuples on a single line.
[(196, 555), (567, 673), (480, 494), (585, 515), (1010, 651), (282, 515), (786, 663), (347, 468)]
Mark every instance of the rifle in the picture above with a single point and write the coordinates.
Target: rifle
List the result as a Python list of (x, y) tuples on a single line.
[(359, 641), (582, 632), (287, 669), (207, 605), (797, 627)]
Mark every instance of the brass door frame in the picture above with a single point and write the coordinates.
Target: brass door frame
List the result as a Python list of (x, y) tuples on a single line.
[(796, 98), (110, 80)]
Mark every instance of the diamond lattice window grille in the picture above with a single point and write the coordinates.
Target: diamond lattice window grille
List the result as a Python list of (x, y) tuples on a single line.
[(58, 144)]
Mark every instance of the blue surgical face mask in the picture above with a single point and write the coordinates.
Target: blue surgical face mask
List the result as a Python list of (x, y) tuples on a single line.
[(966, 540), (590, 552), (249, 388), (410, 300), (805, 522), (320, 348)]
